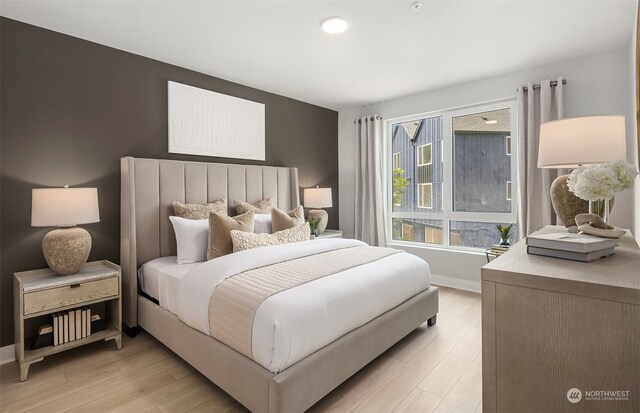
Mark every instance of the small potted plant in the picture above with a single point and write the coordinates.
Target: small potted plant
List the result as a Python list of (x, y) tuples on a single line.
[(505, 234), (314, 223)]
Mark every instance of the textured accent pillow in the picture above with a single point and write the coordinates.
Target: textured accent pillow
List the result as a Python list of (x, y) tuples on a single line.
[(247, 240), (220, 226), (199, 211), (281, 220), (260, 207), (191, 239)]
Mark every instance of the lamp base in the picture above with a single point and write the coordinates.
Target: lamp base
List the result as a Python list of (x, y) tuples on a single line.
[(566, 204), (324, 219), (66, 250)]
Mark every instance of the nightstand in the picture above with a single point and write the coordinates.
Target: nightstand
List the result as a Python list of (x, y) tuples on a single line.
[(330, 233), (41, 292)]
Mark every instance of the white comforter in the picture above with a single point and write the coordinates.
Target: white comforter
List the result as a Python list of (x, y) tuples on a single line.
[(297, 322)]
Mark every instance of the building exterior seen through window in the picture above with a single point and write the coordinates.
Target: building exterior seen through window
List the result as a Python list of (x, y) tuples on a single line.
[(452, 177)]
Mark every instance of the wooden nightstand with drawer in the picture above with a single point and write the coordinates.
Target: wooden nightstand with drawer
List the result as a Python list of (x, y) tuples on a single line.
[(38, 294)]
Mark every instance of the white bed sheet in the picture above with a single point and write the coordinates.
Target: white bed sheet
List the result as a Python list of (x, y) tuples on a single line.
[(160, 279), (292, 324)]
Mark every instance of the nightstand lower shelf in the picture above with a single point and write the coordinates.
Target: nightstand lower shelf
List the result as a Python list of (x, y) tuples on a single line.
[(108, 334)]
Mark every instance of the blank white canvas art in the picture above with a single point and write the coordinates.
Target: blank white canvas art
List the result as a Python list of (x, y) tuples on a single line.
[(202, 122)]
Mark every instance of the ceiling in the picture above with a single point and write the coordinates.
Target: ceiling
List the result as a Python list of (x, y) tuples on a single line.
[(388, 51)]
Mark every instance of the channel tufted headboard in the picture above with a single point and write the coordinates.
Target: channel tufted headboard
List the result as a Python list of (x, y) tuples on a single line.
[(148, 188)]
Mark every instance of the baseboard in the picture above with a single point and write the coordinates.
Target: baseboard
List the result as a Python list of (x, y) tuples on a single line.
[(456, 283), (7, 354)]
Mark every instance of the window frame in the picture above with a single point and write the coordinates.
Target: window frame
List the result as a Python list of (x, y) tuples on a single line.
[(509, 191), (420, 152), (402, 226), (396, 157), (420, 195), (447, 215)]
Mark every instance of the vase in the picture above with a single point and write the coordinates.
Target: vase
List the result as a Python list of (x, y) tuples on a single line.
[(601, 207), (504, 242)]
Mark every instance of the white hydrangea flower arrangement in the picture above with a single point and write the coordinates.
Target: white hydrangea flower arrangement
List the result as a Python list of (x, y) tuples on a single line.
[(601, 181)]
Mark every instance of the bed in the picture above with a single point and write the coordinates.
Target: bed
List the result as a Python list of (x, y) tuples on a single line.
[(153, 285)]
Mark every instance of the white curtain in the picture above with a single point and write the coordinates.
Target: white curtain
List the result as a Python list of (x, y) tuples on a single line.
[(535, 106), (370, 214)]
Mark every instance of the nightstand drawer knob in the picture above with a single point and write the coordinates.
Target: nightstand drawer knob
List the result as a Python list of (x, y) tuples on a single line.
[(74, 285)]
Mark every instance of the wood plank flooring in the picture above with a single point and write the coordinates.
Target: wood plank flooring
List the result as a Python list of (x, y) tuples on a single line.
[(435, 369)]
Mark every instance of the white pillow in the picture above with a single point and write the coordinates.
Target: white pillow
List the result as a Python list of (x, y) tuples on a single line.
[(192, 236), (262, 223)]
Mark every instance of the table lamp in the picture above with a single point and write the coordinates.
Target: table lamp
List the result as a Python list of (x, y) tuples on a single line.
[(318, 198), (66, 249), (568, 143)]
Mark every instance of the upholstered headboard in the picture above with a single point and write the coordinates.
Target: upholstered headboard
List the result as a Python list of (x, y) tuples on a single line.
[(148, 188)]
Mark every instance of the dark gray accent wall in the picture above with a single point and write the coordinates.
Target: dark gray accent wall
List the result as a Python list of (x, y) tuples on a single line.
[(71, 108)]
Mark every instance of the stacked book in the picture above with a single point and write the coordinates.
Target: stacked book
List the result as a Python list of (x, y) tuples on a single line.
[(498, 250), (68, 326), (71, 325), (577, 247)]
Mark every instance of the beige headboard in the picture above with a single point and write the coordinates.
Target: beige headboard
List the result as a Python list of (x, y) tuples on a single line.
[(148, 188)]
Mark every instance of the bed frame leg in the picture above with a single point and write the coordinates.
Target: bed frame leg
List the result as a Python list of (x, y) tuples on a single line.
[(131, 332), (432, 320)]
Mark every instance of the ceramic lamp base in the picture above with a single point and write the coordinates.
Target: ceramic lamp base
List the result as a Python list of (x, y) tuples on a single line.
[(566, 204), (324, 219), (66, 250)]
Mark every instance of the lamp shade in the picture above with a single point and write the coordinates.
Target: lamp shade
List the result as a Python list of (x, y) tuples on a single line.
[(567, 143), (317, 198), (64, 207)]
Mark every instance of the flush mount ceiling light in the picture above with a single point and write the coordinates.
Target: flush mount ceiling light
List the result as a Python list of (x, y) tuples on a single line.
[(489, 121), (416, 6), (334, 25)]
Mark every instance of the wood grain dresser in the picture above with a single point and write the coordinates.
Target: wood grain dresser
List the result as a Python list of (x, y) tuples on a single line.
[(561, 336)]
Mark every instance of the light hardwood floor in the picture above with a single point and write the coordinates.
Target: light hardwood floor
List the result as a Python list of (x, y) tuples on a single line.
[(433, 369)]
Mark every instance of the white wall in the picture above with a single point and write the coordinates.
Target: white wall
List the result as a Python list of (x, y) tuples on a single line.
[(597, 84)]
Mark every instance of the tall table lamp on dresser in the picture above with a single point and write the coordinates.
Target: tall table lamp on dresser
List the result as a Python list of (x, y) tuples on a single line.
[(66, 249), (318, 198), (568, 143)]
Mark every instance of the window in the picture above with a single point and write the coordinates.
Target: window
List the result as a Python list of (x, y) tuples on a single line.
[(427, 231), (424, 155), (432, 235), (424, 195), (407, 232), (455, 164)]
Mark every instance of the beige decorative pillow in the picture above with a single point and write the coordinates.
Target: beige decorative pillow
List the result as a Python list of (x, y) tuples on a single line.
[(281, 220), (248, 240), (199, 211), (261, 207), (220, 226)]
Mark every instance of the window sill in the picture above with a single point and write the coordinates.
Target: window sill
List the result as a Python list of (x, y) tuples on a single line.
[(470, 251)]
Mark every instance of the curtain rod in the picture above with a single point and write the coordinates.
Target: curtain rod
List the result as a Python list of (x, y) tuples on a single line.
[(368, 119), (553, 83), (524, 89)]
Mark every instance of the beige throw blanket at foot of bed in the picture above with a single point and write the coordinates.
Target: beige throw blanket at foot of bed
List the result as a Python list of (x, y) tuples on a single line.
[(234, 301)]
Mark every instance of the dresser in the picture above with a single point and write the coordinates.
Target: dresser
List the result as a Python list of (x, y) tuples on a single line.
[(561, 335), (39, 294)]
